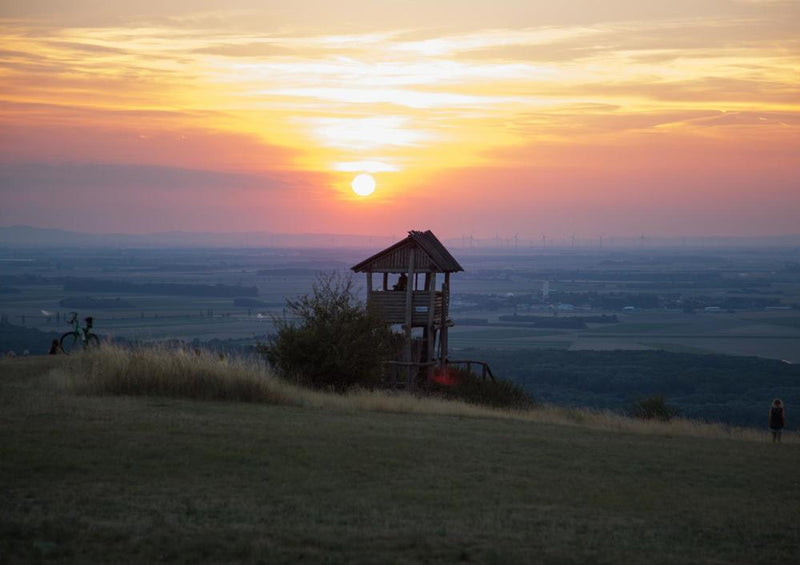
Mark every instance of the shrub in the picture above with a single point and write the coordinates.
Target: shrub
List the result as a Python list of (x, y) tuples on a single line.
[(328, 339), (460, 384), (653, 408)]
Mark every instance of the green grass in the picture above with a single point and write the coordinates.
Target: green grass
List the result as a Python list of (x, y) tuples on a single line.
[(674, 347), (510, 338), (505, 333), (789, 322), (638, 328), (143, 479)]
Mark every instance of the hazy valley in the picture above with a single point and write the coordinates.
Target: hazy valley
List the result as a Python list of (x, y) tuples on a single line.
[(655, 317)]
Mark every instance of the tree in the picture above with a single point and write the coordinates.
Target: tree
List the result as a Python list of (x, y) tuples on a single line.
[(328, 339)]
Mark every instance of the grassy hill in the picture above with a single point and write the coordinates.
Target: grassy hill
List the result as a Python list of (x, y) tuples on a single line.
[(294, 477)]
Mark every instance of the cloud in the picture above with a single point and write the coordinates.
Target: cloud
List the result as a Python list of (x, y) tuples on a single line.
[(85, 47), (165, 98), (699, 90), (132, 198), (38, 176), (182, 139), (603, 121), (758, 119), (256, 49)]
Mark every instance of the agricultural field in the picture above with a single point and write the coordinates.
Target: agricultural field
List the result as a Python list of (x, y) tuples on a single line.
[(740, 302), (719, 301), (149, 310), (773, 335)]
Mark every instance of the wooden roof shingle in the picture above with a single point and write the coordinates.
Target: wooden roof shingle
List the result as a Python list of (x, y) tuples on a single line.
[(436, 259)]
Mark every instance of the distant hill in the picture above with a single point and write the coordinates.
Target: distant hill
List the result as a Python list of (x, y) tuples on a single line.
[(94, 303), (27, 236)]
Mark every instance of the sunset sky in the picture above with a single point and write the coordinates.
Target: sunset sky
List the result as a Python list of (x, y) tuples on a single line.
[(621, 117)]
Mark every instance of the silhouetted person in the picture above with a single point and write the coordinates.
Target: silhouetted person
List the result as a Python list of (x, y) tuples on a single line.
[(777, 420), (401, 283)]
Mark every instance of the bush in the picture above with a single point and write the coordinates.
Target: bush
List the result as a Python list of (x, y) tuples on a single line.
[(460, 384), (653, 408), (328, 339)]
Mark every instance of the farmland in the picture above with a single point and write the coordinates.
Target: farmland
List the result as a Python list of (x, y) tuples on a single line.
[(740, 302)]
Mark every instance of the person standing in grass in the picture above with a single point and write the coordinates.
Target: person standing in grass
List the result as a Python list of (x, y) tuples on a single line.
[(777, 420)]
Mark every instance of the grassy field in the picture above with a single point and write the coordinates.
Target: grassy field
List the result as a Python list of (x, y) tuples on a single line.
[(123, 479)]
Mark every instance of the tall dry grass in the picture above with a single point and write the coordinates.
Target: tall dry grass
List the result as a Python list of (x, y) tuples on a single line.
[(182, 373), (179, 373)]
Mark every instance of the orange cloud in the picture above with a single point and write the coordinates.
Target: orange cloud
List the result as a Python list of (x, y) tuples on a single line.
[(577, 115)]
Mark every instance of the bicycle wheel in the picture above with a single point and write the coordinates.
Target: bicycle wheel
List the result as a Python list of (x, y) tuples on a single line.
[(92, 341), (70, 342)]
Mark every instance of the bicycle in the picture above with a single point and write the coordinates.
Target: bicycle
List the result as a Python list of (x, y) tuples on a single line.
[(79, 336)]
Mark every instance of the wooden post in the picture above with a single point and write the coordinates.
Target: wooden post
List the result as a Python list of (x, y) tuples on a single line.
[(430, 335), (369, 285), (443, 331), (385, 281), (409, 317)]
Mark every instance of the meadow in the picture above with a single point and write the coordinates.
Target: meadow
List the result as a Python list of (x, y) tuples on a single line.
[(90, 475)]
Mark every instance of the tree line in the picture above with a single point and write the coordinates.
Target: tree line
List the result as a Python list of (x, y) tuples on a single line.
[(169, 289), (735, 390)]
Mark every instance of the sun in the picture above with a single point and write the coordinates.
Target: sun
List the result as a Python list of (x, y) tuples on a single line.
[(363, 184)]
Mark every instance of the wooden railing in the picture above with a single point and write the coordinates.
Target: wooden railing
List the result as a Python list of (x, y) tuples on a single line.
[(485, 369), (392, 306), (401, 374)]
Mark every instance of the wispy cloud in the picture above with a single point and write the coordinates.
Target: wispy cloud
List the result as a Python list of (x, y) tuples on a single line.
[(79, 176), (187, 96)]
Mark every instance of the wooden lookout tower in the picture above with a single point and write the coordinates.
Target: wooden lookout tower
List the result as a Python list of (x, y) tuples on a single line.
[(404, 292)]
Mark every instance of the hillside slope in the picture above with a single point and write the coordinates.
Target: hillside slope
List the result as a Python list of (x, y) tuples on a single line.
[(733, 390), (140, 480)]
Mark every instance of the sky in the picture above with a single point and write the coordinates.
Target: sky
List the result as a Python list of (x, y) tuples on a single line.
[(506, 118)]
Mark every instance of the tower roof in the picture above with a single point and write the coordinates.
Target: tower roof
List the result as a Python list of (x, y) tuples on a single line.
[(394, 259)]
